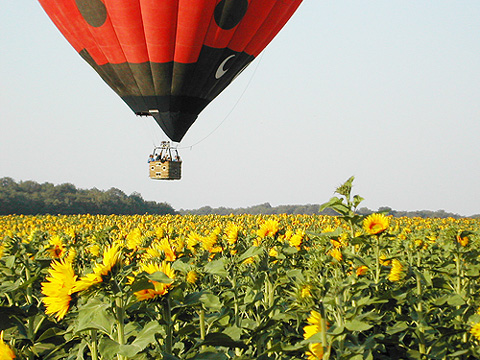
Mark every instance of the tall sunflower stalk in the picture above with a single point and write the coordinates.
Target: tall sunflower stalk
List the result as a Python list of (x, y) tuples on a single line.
[(375, 225), (317, 324), (107, 270), (93, 345), (120, 318), (167, 315), (460, 243), (347, 206), (419, 307)]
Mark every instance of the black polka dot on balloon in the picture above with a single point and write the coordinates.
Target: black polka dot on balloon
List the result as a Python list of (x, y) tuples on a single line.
[(93, 11), (229, 13)]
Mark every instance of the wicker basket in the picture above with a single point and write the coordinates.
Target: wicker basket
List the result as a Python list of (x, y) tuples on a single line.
[(167, 170)]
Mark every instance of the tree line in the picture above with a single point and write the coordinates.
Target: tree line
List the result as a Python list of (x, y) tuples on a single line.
[(265, 208), (311, 209), (32, 198)]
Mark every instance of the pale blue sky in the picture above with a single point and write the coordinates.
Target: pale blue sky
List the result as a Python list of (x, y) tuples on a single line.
[(388, 91)]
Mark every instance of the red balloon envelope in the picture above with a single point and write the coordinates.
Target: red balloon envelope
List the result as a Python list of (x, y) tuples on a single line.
[(169, 58)]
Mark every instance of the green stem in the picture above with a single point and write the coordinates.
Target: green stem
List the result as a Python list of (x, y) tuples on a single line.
[(352, 232), (93, 345), (323, 326), (29, 288), (31, 319), (377, 260), (421, 330), (120, 312), (354, 302), (9, 298), (269, 292), (201, 316), (167, 314), (458, 284), (39, 324), (235, 302), (271, 295)]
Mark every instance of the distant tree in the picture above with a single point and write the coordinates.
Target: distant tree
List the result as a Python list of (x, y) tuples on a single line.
[(32, 198), (7, 182), (364, 211), (386, 210)]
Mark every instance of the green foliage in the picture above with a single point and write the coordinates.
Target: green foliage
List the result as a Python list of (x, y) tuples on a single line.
[(409, 291), (31, 198)]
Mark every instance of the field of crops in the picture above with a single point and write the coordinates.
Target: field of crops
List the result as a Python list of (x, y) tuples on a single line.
[(240, 287)]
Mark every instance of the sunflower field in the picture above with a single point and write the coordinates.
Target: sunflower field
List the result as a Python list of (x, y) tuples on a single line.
[(240, 287)]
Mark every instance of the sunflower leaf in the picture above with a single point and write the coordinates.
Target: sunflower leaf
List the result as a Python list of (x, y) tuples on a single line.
[(252, 251), (357, 325), (147, 335), (94, 315), (211, 301), (216, 267), (141, 284), (159, 277)]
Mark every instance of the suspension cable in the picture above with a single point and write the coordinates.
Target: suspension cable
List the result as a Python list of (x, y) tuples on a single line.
[(231, 110)]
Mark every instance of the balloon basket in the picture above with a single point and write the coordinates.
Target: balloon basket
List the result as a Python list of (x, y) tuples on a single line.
[(163, 164), (168, 170)]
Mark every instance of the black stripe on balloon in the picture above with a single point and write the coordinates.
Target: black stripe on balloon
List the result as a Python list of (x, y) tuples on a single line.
[(178, 91), (214, 71), (119, 78)]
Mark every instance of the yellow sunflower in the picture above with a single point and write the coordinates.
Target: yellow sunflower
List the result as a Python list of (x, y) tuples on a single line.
[(315, 349), (57, 248), (462, 240), (58, 288), (273, 252), (315, 321), (297, 239), (475, 330), (94, 250), (361, 270), (336, 254), (269, 228), (305, 292), (72, 253), (384, 260), (335, 243), (159, 289), (376, 224), (161, 249), (111, 257), (134, 239), (209, 242), (192, 277), (231, 231), (192, 240), (6, 353), (248, 261), (396, 272), (167, 249)]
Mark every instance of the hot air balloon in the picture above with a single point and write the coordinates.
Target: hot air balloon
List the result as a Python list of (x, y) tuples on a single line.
[(169, 58)]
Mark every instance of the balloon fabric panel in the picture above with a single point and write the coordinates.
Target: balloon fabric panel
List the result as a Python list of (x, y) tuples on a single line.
[(169, 58)]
